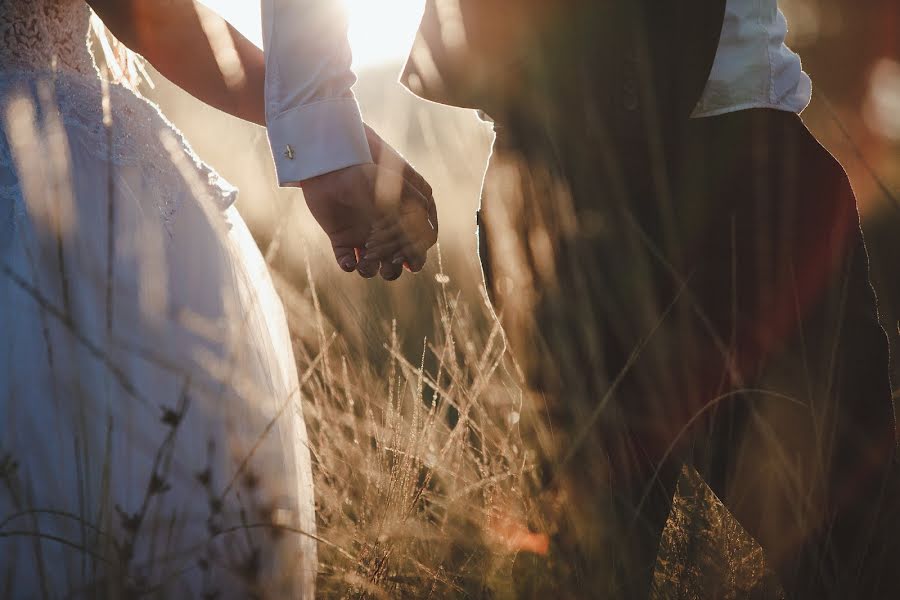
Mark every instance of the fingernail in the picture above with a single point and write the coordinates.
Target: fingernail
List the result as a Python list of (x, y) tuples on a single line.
[(398, 260)]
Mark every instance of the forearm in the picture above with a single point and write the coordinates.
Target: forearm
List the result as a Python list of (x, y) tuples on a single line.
[(170, 35)]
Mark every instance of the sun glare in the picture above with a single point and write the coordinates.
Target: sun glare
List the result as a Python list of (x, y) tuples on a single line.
[(381, 31)]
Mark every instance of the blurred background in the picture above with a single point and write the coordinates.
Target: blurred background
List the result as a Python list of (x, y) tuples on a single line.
[(851, 50)]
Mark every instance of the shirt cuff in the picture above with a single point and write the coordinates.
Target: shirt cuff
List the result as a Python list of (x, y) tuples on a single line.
[(317, 138)]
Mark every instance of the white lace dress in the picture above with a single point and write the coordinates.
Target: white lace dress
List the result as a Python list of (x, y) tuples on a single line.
[(151, 435)]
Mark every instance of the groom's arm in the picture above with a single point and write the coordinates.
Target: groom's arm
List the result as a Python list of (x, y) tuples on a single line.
[(314, 123)]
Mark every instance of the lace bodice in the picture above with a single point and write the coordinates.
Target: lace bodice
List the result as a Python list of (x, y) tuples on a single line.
[(45, 44), (45, 35)]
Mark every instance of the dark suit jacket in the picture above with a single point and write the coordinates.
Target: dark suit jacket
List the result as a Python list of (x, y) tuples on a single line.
[(593, 94), (630, 57)]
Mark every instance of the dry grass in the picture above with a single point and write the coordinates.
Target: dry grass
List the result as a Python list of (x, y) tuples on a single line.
[(418, 461), (423, 480)]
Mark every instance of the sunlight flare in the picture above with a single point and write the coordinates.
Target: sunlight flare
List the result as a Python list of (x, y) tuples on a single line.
[(381, 32)]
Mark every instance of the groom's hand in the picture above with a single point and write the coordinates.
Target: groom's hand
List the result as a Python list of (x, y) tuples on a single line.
[(351, 203)]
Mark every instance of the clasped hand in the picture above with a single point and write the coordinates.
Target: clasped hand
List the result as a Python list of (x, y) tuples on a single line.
[(379, 217)]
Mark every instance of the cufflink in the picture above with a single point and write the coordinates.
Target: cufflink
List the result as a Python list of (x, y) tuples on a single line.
[(289, 152)]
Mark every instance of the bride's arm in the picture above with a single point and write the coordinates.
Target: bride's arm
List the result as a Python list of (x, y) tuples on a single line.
[(171, 36)]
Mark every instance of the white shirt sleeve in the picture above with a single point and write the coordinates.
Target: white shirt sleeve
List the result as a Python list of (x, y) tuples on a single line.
[(314, 123)]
